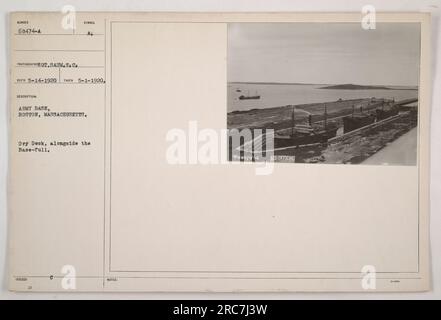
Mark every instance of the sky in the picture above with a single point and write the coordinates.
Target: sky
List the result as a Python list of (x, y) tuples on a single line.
[(324, 53)]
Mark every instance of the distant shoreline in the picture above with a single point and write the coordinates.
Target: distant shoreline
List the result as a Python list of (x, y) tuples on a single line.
[(301, 105), (277, 83), (350, 86), (347, 86)]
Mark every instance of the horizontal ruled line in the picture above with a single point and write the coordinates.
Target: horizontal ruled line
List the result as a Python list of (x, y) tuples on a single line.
[(78, 67), (223, 277), (59, 83), (58, 34), (59, 50)]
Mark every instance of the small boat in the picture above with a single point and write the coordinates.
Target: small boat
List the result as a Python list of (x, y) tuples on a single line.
[(242, 97)]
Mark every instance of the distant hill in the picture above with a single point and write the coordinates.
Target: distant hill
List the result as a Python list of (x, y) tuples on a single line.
[(270, 83), (355, 87)]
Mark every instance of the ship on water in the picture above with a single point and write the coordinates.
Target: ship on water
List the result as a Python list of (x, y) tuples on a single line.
[(304, 134), (248, 97)]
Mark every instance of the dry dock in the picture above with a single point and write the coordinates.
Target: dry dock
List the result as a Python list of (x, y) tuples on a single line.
[(388, 141)]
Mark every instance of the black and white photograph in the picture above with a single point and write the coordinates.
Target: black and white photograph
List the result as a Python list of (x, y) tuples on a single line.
[(243, 151), (333, 93)]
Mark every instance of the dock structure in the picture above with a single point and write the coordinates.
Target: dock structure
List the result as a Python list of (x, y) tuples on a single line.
[(361, 129), (406, 101), (378, 124), (375, 124), (378, 103)]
